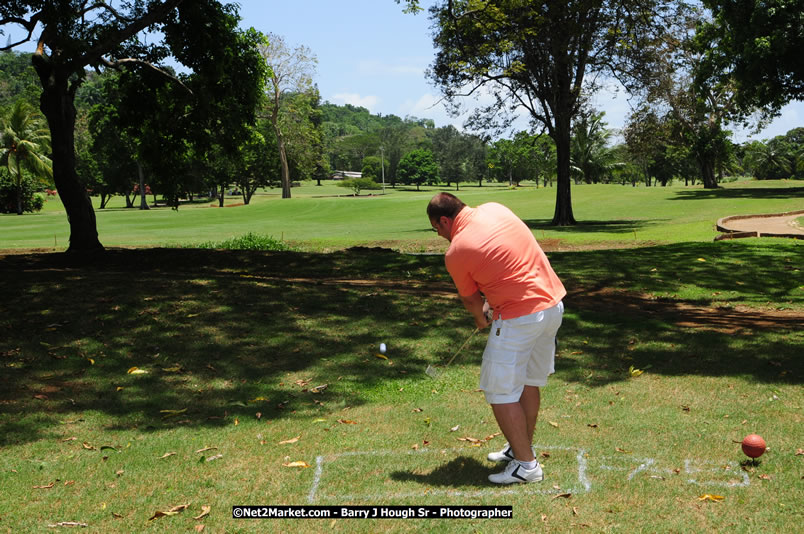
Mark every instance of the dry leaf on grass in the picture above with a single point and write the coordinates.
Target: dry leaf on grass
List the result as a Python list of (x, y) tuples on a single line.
[(346, 422), (167, 455), (381, 356), (199, 528), (297, 464), (562, 496), (205, 449), (712, 498), (289, 441), (553, 423), (48, 486), (68, 524), (173, 511), (319, 389), (204, 512)]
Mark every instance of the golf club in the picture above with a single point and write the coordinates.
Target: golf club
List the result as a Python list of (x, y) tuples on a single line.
[(434, 372)]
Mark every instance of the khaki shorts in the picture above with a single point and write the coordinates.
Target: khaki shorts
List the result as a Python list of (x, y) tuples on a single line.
[(520, 352)]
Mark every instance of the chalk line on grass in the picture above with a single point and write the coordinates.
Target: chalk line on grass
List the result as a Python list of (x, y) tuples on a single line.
[(585, 484)]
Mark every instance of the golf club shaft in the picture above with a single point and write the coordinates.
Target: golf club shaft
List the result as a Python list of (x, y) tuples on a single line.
[(475, 331)]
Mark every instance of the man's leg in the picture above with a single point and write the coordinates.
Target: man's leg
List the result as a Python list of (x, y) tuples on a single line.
[(513, 420)]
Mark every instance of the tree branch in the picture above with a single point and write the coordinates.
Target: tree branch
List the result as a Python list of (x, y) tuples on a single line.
[(120, 62), (29, 25), (107, 7), (156, 14)]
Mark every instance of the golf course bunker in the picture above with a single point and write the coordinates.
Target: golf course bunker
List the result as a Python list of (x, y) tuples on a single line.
[(383, 476), (462, 472)]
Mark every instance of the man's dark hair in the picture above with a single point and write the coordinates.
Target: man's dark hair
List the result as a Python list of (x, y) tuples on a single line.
[(444, 205)]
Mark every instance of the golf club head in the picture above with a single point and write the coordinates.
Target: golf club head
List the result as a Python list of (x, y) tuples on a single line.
[(432, 372)]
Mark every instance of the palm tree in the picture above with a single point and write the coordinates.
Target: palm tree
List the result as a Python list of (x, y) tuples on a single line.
[(24, 141), (590, 156)]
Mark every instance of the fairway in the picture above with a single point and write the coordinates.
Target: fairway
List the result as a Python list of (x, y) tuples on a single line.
[(154, 389), (317, 219)]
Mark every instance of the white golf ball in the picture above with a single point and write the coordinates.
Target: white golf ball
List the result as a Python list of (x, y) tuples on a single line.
[(382, 348)]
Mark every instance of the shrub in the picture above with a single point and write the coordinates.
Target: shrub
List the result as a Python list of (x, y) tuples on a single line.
[(358, 184), (31, 201), (249, 241)]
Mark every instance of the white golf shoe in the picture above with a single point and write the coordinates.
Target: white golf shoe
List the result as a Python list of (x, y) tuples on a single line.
[(506, 454), (515, 473)]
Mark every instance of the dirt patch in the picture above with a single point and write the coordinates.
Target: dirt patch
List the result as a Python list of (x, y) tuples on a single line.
[(768, 225), (609, 301)]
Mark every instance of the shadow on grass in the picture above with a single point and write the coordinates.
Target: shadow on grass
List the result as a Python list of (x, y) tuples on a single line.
[(156, 338), (609, 227), (742, 192), (461, 471)]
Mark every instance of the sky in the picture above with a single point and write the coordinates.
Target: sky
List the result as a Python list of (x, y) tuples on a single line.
[(373, 55)]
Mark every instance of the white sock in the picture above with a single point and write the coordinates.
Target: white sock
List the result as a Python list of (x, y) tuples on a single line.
[(528, 465)]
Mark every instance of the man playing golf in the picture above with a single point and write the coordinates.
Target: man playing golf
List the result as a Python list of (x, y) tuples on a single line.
[(493, 254)]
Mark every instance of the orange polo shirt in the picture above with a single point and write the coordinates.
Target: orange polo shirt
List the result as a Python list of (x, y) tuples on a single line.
[(493, 251)]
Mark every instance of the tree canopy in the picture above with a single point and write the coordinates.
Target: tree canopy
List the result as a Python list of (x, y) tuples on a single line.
[(201, 35)]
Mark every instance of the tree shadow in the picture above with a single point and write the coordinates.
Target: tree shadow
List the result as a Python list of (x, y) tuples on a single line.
[(743, 192), (227, 334), (626, 226)]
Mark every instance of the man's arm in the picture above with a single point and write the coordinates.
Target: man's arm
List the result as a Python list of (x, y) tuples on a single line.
[(474, 305)]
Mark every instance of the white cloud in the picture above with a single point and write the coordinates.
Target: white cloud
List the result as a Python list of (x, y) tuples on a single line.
[(369, 101)]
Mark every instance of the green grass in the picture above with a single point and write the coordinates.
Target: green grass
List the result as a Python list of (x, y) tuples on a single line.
[(316, 219), (233, 342)]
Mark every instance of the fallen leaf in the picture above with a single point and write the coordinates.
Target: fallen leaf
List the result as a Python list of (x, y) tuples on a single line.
[(167, 455), (574, 510), (45, 487), (69, 482), (417, 410), (119, 473), (174, 369), (800, 452), (69, 439), (87, 446), (381, 356), (553, 423), (297, 464), (68, 524), (455, 428), (765, 477), (618, 449), (592, 425), (346, 422), (204, 512), (199, 528), (173, 511), (213, 458), (702, 260), (319, 389), (563, 496), (545, 455), (634, 372), (41, 397), (713, 498), (292, 440), (205, 449), (415, 447)]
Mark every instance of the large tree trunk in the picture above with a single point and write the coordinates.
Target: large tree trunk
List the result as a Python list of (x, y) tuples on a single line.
[(57, 104), (707, 166), (141, 175), (563, 213)]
